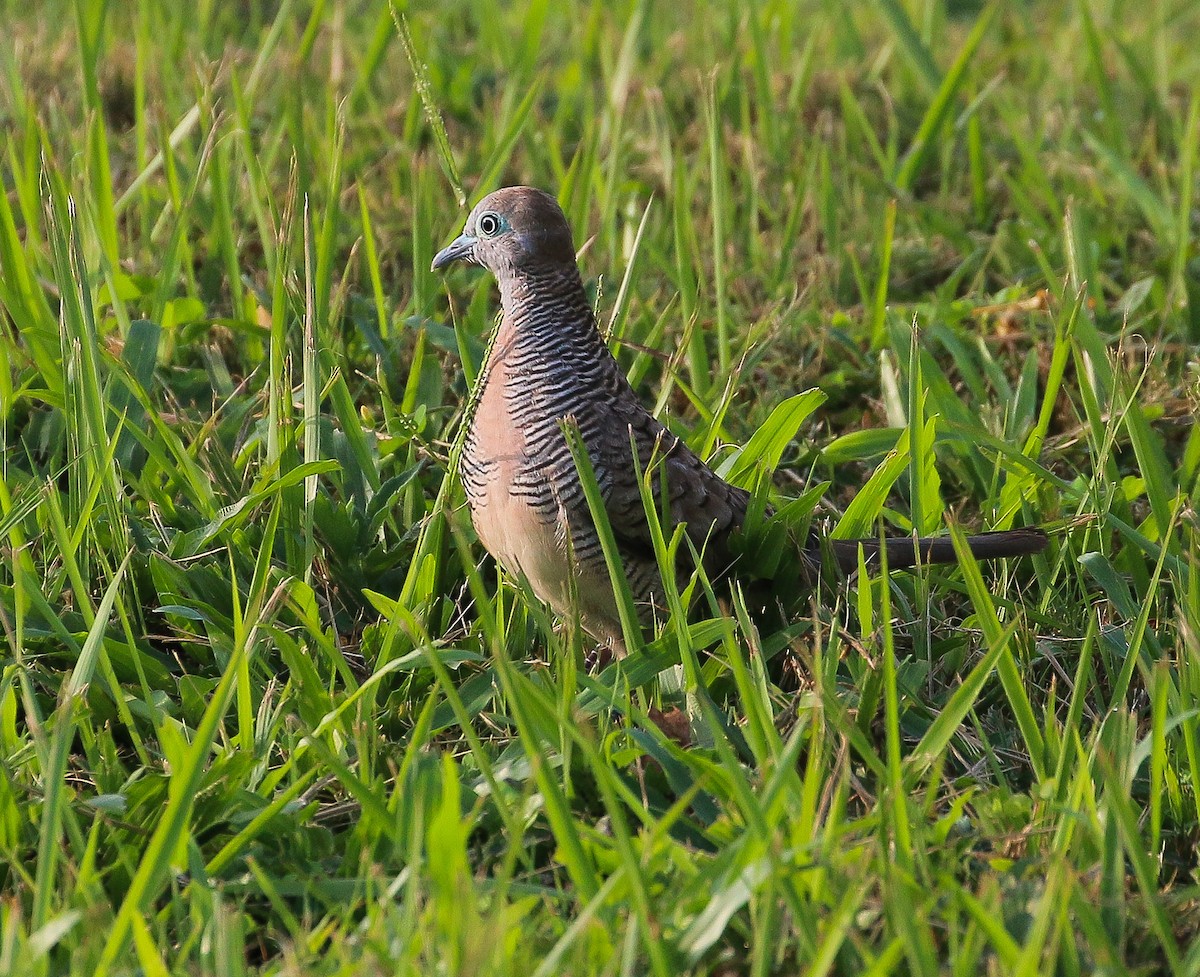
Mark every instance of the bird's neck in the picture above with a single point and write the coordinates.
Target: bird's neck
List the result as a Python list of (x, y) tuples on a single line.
[(547, 352), (546, 307)]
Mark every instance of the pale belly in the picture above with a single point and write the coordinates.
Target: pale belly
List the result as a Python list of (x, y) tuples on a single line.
[(522, 541), (533, 549)]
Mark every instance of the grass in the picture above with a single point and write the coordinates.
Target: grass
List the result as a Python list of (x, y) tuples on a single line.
[(264, 705)]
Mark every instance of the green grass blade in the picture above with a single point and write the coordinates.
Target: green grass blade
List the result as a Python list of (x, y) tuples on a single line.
[(939, 109)]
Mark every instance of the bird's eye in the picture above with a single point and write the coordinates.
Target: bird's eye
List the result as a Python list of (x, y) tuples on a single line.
[(489, 224)]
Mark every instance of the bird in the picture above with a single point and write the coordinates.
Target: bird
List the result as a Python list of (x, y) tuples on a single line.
[(547, 366)]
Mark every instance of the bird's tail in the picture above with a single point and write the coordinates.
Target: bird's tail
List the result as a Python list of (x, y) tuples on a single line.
[(904, 552)]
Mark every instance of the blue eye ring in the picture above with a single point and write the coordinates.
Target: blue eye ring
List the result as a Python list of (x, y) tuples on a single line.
[(489, 224)]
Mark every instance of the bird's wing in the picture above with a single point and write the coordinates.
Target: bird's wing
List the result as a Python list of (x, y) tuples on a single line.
[(692, 492)]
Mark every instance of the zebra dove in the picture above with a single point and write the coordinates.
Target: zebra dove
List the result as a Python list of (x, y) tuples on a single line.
[(547, 363)]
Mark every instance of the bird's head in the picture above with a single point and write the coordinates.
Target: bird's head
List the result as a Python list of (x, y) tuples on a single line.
[(512, 229)]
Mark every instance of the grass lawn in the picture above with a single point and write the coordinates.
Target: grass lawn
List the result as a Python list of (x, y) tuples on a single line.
[(267, 707)]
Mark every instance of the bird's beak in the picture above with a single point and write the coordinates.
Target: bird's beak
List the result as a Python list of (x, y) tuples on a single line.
[(461, 248)]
